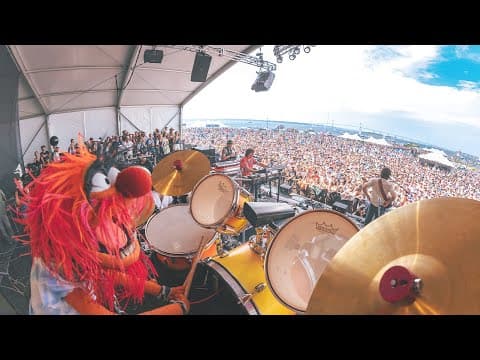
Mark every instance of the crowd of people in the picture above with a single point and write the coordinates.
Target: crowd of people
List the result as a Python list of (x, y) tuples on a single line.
[(320, 161), (320, 166)]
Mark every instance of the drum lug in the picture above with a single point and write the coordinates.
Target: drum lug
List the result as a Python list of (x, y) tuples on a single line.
[(247, 297), (260, 287)]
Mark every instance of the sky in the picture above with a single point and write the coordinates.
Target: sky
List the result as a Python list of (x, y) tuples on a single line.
[(429, 93)]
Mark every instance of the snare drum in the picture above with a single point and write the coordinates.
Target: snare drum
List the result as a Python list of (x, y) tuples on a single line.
[(300, 251), (217, 202), (241, 273), (175, 237)]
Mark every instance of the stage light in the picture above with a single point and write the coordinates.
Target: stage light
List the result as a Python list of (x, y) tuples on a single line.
[(264, 81), (307, 49), (292, 56)]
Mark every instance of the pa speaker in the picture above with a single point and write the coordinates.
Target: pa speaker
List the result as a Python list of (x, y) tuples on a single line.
[(153, 56), (285, 189), (200, 67), (340, 207)]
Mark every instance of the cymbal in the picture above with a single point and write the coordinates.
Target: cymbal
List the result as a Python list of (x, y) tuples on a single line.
[(422, 258), (177, 173)]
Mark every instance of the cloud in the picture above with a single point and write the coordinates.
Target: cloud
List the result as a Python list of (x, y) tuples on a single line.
[(467, 52), (466, 84), (332, 80)]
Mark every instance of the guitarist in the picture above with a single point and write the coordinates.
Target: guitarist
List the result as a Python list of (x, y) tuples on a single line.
[(381, 195)]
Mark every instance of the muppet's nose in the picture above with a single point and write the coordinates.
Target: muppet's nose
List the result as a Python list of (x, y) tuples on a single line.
[(134, 181)]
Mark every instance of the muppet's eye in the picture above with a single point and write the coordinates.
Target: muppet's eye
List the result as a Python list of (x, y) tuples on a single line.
[(112, 174), (100, 182)]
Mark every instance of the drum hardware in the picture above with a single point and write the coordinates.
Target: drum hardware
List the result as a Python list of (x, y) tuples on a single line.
[(220, 249), (259, 242), (419, 259), (247, 297)]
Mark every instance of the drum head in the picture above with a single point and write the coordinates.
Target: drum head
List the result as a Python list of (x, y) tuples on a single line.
[(212, 199), (173, 232), (301, 250)]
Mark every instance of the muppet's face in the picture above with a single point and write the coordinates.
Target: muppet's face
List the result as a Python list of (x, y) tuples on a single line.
[(119, 199)]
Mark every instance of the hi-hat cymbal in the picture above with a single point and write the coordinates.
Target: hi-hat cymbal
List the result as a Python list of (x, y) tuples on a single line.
[(177, 173), (422, 258)]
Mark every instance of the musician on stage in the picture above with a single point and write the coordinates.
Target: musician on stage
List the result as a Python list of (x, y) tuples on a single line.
[(381, 197), (228, 152), (246, 166)]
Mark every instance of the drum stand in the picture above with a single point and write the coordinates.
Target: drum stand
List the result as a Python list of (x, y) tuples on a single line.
[(221, 252), (259, 242)]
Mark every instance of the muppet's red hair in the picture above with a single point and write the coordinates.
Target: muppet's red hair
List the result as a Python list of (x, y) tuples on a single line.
[(64, 229)]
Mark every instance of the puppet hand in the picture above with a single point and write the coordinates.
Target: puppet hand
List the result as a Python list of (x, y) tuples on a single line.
[(181, 299), (176, 290)]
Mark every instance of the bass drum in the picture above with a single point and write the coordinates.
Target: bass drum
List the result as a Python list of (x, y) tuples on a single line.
[(300, 251), (234, 285)]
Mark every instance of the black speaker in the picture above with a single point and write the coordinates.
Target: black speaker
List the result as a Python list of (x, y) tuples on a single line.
[(200, 67), (285, 189), (340, 207), (153, 56), (209, 153)]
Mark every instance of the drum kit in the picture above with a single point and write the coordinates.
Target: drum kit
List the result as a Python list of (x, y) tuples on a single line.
[(421, 258)]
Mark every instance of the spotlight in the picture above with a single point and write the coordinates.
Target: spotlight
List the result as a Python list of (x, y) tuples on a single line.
[(307, 49), (296, 51), (292, 56), (279, 59), (264, 81)]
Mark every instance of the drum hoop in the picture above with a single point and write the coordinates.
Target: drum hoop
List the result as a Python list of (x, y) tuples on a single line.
[(267, 254), (233, 206), (165, 253), (234, 285)]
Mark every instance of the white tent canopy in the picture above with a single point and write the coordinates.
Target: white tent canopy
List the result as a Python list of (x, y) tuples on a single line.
[(370, 139), (350, 136), (438, 158), (63, 78), (377, 141), (101, 90)]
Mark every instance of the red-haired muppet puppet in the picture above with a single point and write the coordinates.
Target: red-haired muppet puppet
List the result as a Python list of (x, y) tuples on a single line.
[(80, 220)]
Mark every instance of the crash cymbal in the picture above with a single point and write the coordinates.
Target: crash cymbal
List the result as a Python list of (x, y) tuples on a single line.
[(177, 173), (422, 258)]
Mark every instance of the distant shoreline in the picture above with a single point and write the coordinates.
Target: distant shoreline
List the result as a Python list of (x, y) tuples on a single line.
[(336, 130)]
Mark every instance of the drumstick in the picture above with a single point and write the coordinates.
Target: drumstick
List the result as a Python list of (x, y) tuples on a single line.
[(189, 279)]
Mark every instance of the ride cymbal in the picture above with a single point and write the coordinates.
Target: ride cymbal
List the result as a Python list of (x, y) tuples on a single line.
[(177, 173), (422, 258)]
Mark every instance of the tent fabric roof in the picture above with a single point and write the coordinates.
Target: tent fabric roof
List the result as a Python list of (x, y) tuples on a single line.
[(63, 78), (437, 157), (370, 139), (378, 141)]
